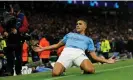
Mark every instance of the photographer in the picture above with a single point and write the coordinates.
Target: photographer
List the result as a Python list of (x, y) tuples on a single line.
[(14, 24), (21, 22)]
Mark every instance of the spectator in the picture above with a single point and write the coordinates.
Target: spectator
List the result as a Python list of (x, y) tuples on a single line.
[(129, 46), (45, 55), (25, 53), (105, 48), (13, 52)]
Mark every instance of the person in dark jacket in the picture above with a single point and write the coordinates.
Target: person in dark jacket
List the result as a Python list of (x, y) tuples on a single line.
[(130, 46), (119, 45), (13, 51)]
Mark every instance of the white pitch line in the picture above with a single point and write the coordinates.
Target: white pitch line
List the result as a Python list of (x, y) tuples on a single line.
[(96, 72), (114, 68), (59, 77)]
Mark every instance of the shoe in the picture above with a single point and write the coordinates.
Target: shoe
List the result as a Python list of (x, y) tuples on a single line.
[(63, 74), (85, 72), (8, 74)]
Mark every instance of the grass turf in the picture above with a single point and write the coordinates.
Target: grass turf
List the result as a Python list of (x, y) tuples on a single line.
[(122, 70)]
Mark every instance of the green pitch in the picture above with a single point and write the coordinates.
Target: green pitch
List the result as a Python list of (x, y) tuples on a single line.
[(122, 70)]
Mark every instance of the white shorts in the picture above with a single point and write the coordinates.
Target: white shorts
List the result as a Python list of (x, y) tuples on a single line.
[(72, 56)]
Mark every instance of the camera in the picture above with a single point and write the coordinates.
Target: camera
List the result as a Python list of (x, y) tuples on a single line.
[(8, 21)]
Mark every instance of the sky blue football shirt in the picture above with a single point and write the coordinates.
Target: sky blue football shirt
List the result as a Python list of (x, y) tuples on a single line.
[(75, 40)]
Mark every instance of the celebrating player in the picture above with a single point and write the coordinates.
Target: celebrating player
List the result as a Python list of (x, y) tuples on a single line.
[(74, 52)]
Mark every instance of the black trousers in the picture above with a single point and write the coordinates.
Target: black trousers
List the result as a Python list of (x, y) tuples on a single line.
[(14, 59), (35, 56), (24, 63), (106, 55), (47, 63)]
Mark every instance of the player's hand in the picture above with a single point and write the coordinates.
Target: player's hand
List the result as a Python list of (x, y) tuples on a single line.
[(38, 49), (111, 61)]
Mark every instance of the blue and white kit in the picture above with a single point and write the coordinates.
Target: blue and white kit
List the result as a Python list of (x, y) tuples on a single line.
[(74, 51)]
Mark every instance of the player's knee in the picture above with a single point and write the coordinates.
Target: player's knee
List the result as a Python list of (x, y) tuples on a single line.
[(90, 70), (56, 73)]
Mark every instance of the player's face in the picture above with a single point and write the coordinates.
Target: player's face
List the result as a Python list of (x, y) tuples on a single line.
[(81, 26)]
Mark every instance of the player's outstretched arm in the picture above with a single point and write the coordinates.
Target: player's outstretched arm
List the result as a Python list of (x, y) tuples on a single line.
[(51, 47), (99, 59)]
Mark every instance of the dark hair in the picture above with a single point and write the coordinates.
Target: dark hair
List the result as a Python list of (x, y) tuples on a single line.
[(16, 8), (87, 29), (34, 37), (83, 19)]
